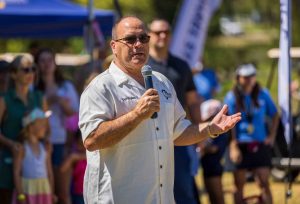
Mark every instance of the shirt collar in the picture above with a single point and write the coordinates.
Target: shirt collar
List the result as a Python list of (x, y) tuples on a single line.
[(121, 78), (15, 96)]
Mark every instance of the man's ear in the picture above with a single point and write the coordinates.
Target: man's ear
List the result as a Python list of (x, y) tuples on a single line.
[(113, 46)]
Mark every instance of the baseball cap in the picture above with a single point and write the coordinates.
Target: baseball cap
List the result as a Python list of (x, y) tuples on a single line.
[(35, 114), (246, 70), (210, 108)]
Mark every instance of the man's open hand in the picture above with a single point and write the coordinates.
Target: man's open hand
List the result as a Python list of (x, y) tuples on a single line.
[(222, 123)]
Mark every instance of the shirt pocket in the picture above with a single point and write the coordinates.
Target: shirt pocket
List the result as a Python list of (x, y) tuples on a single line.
[(166, 120)]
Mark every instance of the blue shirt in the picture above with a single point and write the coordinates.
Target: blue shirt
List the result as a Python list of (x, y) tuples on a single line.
[(259, 114), (37, 161), (206, 83)]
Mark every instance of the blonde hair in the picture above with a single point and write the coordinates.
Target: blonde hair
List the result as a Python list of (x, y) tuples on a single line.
[(24, 134), (19, 60), (16, 64)]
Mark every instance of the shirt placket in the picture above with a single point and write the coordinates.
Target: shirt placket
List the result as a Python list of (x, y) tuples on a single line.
[(160, 160)]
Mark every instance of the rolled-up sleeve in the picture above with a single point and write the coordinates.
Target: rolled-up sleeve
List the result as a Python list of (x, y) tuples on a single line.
[(95, 107), (180, 121)]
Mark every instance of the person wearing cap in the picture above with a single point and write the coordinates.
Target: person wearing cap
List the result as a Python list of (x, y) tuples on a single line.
[(130, 156), (250, 147), (33, 174), (212, 151), (13, 105)]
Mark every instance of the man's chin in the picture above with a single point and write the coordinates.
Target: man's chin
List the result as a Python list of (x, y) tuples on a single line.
[(161, 45), (139, 63)]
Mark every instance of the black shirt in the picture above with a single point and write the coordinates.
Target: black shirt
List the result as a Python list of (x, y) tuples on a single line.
[(178, 72)]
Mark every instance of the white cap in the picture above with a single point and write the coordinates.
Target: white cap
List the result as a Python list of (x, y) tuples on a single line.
[(246, 70), (35, 114), (210, 108)]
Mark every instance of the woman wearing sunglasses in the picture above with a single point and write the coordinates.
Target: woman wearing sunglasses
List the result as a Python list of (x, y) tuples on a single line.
[(18, 100), (63, 102)]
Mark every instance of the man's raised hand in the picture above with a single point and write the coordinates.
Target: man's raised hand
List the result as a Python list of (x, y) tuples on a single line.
[(147, 104)]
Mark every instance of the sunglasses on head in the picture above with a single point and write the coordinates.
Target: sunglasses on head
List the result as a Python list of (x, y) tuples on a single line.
[(132, 39), (27, 70), (166, 32)]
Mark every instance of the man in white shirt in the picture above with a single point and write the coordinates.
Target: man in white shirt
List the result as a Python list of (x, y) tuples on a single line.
[(129, 155)]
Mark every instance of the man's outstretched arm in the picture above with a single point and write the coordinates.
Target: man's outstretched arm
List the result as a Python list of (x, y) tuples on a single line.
[(220, 124)]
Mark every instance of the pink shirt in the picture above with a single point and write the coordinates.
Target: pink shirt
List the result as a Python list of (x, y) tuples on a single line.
[(78, 175)]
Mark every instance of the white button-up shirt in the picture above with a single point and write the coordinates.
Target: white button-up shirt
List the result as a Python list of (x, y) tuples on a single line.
[(140, 168)]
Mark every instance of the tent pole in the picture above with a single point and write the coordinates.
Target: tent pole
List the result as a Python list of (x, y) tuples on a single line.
[(90, 46), (118, 8)]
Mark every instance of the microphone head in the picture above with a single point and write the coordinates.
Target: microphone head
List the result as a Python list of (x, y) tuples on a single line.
[(146, 71)]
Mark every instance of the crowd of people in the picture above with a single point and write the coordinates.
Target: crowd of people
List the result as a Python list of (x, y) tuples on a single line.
[(38, 141), (43, 158)]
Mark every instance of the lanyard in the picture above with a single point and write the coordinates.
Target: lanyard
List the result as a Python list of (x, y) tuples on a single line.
[(249, 110)]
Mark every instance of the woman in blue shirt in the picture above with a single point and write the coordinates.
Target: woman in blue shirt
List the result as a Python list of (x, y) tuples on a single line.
[(250, 148)]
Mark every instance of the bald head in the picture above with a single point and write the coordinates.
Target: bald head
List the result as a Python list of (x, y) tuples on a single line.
[(130, 44), (125, 23), (158, 24)]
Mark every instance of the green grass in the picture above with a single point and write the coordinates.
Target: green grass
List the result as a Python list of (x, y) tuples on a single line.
[(277, 188)]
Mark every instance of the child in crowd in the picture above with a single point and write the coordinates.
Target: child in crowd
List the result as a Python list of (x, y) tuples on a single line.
[(75, 165), (212, 151), (33, 174), (63, 101)]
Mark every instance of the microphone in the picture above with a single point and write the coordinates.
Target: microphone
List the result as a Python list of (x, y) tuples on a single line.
[(147, 74)]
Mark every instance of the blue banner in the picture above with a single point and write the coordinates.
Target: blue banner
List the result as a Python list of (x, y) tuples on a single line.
[(190, 30)]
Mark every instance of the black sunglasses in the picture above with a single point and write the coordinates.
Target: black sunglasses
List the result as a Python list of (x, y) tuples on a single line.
[(132, 39), (28, 70)]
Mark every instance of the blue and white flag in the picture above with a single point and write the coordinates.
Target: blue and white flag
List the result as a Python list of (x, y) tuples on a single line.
[(190, 30), (284, 69)]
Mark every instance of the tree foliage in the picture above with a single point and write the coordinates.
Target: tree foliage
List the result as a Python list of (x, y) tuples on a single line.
[(168, 9)]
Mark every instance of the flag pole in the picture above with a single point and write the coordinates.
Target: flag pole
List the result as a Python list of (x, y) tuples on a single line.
[(90, 45), (288, 193), (284, 81)]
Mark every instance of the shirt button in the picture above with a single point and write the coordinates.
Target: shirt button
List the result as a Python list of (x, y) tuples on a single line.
[(161, 166), (157, 128), (160, 147), (161, 185)]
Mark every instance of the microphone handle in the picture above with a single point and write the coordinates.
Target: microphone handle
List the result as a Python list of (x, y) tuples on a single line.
[(148, 82), (149, 85)]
